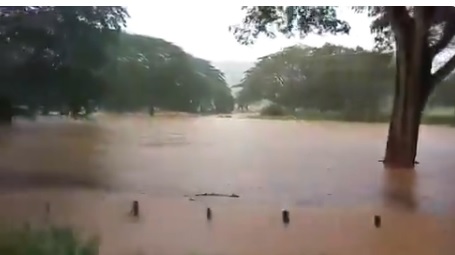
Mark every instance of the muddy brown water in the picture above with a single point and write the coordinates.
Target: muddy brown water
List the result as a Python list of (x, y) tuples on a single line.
[(325, 173)]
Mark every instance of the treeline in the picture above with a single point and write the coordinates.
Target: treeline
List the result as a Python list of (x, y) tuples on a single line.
[(345, 83), (146, 71), (70, 59)]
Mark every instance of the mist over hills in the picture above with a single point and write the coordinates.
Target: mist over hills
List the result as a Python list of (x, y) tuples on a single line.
[(233, 70)]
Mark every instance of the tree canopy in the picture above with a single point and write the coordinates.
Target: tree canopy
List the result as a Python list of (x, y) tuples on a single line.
[(50, 54), (69, 58), (437, 24), (317, 78), (149, 71)]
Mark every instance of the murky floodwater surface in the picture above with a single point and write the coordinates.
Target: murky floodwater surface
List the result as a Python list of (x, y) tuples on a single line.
[(326, 173)]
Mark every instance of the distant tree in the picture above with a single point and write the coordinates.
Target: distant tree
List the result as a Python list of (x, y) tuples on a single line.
[(418, 34), (149, 71), (319, 78)]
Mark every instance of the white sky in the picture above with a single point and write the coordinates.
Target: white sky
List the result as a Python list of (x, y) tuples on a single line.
[(202, 30)]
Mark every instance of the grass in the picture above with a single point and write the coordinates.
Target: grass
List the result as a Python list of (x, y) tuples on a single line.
[(47, 241), (430, 117)]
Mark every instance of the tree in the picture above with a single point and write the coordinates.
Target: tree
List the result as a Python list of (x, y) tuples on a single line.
[(318, 78), (418, 34), (218, 96), (53, 54), (69, 58), (147, 71)]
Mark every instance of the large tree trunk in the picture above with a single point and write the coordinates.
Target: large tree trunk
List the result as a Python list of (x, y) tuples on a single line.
[(414, 81), (404, 125), (412, 89)]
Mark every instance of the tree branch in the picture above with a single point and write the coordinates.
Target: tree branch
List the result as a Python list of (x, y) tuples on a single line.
[(447, 35), (399, 18), (401, 24), (443, 14), (443, 71), (423, 16)]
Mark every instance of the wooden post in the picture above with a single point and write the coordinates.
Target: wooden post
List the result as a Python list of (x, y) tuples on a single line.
[(135, 208), (377, 221), (285, 216), (209, 213)]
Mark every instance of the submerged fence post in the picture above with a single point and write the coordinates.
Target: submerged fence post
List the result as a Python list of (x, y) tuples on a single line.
[(209, 213), (377, 221), (285, 216), (135, 208)]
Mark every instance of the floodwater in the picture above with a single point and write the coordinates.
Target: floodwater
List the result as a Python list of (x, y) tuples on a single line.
[(327, 174)]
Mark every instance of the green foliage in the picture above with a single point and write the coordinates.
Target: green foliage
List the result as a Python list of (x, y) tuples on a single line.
[(303, 20), (52, 54), (60, 36), (50, 241), (287, 20), (395, 28), (66, 58), (150, 71), (354, 82)]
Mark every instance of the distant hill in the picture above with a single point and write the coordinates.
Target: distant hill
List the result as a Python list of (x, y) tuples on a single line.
[(233, 70)]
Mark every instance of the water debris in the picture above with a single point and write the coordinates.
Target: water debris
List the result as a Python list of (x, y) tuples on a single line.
[(377, 221), (191, 199), (224, 116), (285, 216), (135, 208), (209, 213), (216, 195)]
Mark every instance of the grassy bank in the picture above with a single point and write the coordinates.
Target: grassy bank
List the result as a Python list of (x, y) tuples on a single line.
[(47, 241), (434, 117)]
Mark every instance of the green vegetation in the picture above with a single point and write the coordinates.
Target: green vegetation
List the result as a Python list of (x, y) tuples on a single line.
[(51, 56), (417, 34), (75, 60), (313, 84), (49, 241), (273, 110), (147, 71), (302, 77), (433, 117)]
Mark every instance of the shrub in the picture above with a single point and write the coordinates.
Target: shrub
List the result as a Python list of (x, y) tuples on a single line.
[(273, 110), (49, 241)]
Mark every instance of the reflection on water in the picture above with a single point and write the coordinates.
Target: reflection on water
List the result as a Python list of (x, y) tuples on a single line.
[(51, 153), (400, 189), (326, 173)]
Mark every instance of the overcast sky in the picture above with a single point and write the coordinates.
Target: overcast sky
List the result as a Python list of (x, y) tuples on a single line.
[(203, 31)]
